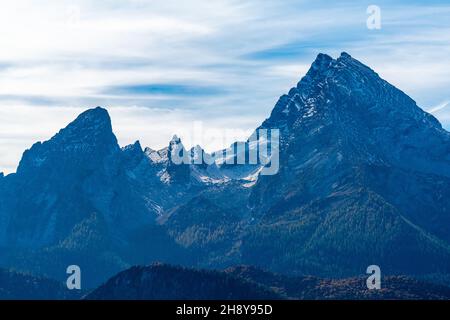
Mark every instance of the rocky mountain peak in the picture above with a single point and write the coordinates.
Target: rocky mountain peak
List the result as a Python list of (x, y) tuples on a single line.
[(345, 86), (89, 138), (133, 147), (92, 126), (133, 154)]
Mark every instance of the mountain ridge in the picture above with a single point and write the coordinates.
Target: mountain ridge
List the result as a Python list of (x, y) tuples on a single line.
[(364, 178), (161, 281)]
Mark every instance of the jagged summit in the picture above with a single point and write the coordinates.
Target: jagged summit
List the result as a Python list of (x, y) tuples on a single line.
[(89, 138), (322, 61), (176, 147), (95, 118), (325, 68), (345, 55), (97, 112), (133, 154), (92, 127), (346, 85), (175, 139), (135, 146)]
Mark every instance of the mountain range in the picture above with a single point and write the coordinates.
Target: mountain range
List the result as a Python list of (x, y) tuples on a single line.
[(165, 282), (364, 178)]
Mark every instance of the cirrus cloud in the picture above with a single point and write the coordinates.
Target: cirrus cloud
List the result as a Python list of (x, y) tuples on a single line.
[(224, 62)]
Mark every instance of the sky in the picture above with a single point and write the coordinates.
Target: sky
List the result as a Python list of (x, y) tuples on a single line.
[(189, 66)]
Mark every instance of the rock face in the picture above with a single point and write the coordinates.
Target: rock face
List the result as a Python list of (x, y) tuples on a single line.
[(61, 182), (364, 176), (364, 179)]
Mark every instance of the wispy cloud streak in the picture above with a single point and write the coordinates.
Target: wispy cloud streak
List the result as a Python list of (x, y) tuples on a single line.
[(204, 59)]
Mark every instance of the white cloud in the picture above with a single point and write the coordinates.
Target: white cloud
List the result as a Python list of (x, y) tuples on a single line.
[(59, 56), (439, 107), (442, 112)]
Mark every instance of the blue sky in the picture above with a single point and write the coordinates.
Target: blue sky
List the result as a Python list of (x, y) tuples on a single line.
[(160, 66)]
